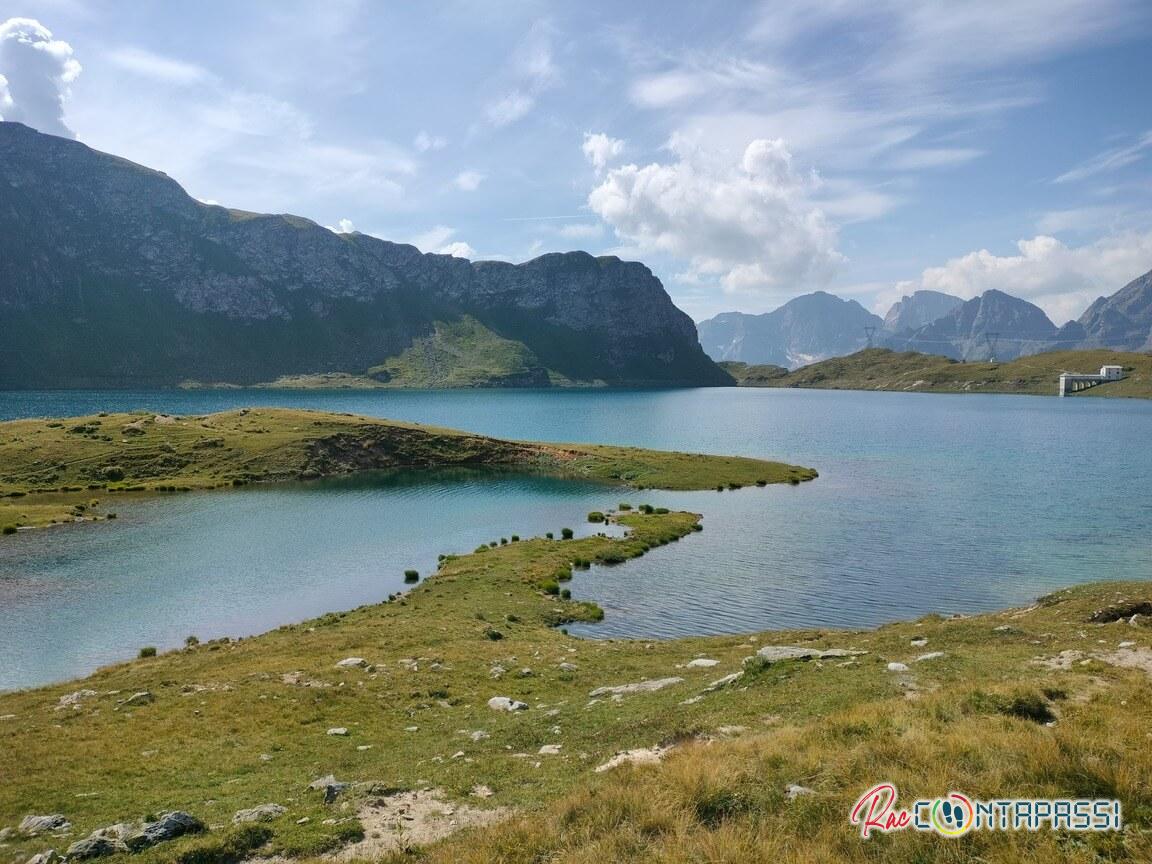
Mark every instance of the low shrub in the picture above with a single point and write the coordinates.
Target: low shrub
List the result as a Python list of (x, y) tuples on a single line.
[(565, 594), (551, 587), (191, 641), (493, 634), (623, 507), (9, 529), (411, 576), (148, 651), (647, 509), (596, 516), (566, 534)]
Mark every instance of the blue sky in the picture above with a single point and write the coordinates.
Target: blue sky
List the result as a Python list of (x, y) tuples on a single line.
[(746, 152)]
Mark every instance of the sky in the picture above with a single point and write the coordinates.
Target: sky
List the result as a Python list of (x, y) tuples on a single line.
[(746, 152)]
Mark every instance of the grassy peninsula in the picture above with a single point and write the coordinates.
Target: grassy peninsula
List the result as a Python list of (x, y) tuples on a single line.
[(719, 749), (883, 369), (73, 469)]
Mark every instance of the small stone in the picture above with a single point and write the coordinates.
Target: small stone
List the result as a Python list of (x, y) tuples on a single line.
[(141, 698), (897, 667), (1125, 644), (411, 728), (303, 820), (568, 667), (931, 655), (72, 700), (39, 824), (479, 735), (363, 747), (459, 754), (338, 730), (261, 813), (919, 643), (794, 791), (525, 673), (550, 750), (47, 857), (503, 703), (352, 663), (720, 683), (702, 663), (481, 791)]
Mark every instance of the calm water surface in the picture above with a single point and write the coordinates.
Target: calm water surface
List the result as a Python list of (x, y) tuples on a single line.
[(924, 503)]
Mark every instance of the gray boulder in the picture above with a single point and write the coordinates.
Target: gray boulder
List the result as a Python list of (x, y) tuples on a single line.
[(639, 687), (262, 813), (48, 857), (503, 703), (39, 824), (169, 826), (94, 847)]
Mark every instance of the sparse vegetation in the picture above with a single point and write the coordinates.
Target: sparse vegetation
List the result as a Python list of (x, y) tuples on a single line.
[(595, 516), (411, 576), (148, 651)]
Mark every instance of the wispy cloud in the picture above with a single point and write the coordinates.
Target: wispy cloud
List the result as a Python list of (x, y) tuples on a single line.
[(529, 73), (157, 67), (1108, 160)]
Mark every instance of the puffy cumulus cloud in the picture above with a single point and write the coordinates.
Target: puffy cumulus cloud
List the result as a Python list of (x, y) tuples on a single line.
[(748, 224), (439, 240), (1060, 279), (600, 149), (344, 226), (468, 181), (35, 71)]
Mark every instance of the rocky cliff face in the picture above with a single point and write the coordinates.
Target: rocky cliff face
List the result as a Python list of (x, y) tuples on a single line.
[(111, 275), (804, 330), (919, 309), (1122, 321), (993, 324)]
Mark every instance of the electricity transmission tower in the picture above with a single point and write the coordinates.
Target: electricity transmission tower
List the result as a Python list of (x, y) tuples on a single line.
[(991, 338), (869, 332)]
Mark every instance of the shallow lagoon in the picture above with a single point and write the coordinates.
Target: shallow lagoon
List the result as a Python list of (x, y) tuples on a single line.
[(925, 503)]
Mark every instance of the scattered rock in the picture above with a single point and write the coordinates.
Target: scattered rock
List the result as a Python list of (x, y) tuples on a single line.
[(400, 822), (639, 687), (48, 857), (897, 667), (702, 663), (721, 683), (352, 663), (503, 703), (338, 730), (794, 791), (262, 813), (142, 698), (774, 653), (481, 791), (568, 667), (72, 700), (550, 750), (640, 756), (931, 655), (525, 673), (478, 735), (33, 825), (1126, 645), (94, 847), (321, 782), (918, 643)]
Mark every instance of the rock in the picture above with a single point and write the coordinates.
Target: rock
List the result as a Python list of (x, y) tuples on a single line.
[(338, 730), (321, 782), (261, 813), (702, 663), (567, 667), (721, 683), (352, 663), (550, 750), (169, 826), (1125, 644), (478, 735), (363, 747), (141, 698), (774, 653), (897, 667), (525, 673), (919, 643), (47, 857), (794, 791), (72, 700), (39, 824), (650, 686), (481, 791), (333, 791), (639, 756), (503, 703), (94, 847), (931, 655)]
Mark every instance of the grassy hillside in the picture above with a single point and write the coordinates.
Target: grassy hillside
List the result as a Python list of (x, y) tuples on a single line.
[(63, 470), (882, 369), (1050, 700)]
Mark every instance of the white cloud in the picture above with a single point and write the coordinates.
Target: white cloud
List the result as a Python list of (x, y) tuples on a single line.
[(35, 71), (530, 72), (751, 226), (600, 149), (1110, 160), (439, 240), (468, 181), (916, 158), (344, 226), (158, 68), (425, 142), (582, 231), (1060, 279)]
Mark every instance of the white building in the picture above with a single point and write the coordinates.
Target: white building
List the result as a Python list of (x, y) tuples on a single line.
[(1074, 382)]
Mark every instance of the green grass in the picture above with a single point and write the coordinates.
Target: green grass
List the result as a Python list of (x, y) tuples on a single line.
[(64, 470), (242, 722), (882, 369)]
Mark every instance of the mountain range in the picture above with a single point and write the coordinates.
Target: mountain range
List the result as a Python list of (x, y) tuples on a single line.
[(111, 275), (995, 325)]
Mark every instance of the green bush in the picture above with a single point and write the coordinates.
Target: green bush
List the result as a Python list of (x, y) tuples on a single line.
[(148, 651), (565, 594), (9, 529), (566, 534), (550, 587), (623, 507), (503, 541), (549, 536), (515, 538), (563, 574), (112, 472), (647, 509), (494, 635), (661, 510), (191, 641), (596, 516), (411, 576)]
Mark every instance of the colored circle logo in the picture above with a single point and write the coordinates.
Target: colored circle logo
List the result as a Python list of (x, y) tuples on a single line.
[(952, 816)]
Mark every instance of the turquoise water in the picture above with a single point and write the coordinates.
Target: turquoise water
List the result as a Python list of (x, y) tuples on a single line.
[(924, 503)]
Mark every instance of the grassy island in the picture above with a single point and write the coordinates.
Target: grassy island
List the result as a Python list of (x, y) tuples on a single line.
[(73, 469), (460, 704)]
